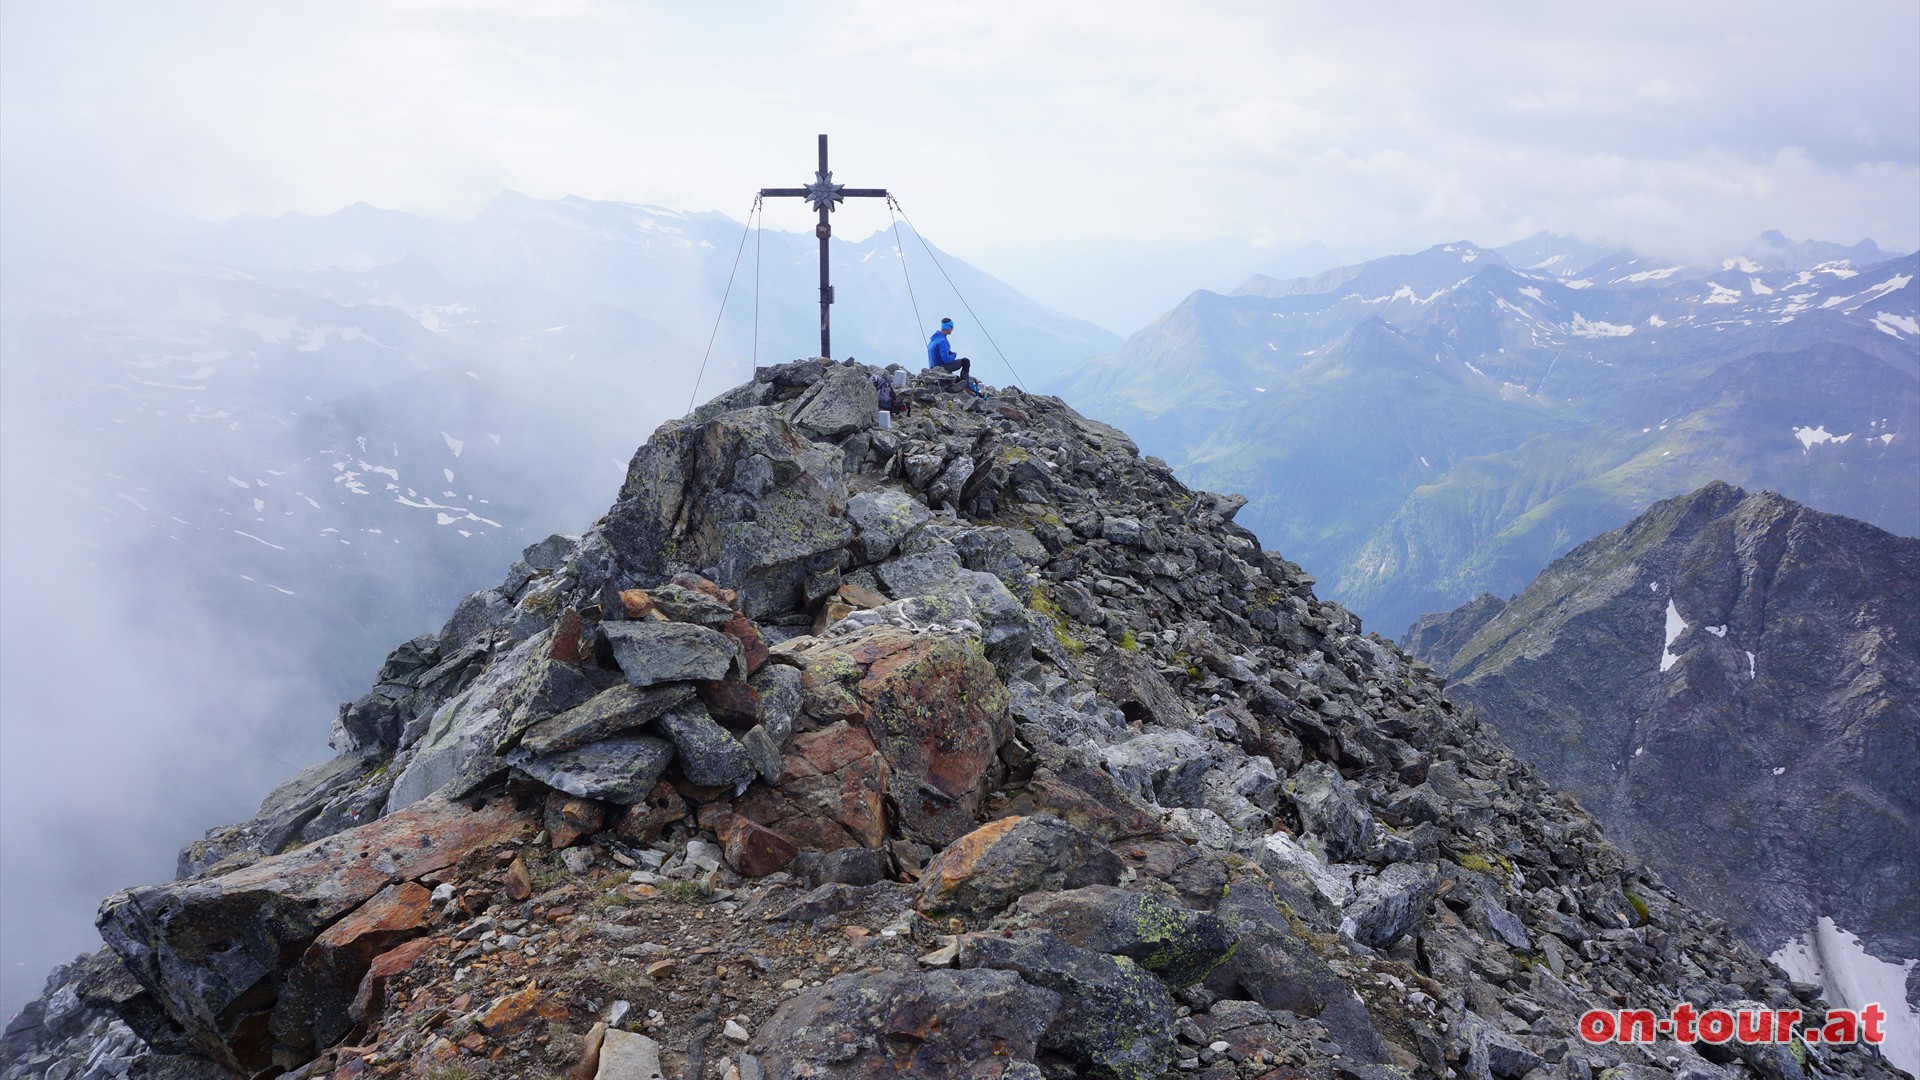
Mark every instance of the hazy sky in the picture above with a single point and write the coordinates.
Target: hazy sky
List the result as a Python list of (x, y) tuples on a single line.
[(1682, 128)]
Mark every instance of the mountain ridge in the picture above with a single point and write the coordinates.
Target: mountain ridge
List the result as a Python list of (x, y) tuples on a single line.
[(977, 745)]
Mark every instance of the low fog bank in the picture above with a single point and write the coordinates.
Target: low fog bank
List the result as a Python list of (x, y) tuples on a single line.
[(131, 718)]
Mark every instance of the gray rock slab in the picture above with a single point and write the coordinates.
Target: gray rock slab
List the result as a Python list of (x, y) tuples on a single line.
[(709, 755), (1389, 904), (1331, 810), (621, 769), (1167, 768), (657, 652), (607, 713), (884, 519)]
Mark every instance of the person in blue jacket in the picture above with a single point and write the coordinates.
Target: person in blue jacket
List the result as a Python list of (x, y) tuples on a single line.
[(940, 354)]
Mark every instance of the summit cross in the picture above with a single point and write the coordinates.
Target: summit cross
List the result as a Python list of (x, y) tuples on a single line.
[(823, 193)]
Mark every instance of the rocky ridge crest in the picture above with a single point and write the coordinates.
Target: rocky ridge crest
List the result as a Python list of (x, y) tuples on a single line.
[(1731, 682), (976, 746)]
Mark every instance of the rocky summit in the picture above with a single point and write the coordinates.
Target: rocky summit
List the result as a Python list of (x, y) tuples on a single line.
[(1732, 683), (971, 744)]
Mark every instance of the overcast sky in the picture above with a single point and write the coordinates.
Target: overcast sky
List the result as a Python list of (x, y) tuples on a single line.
[(1684, 128)]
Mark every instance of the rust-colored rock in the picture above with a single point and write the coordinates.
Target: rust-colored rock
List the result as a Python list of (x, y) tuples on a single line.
[(828, 679), (938, 713), (700, 584), (1003, 860), (860, 596), (511, 1014), (753, 647), (257, 918), (566, 638), (636, 603), (519, 883), (831, 792), (317, 994), (371, 996), (570, 820), (752, 849), (643, 822), (831, 612), (731, 701)]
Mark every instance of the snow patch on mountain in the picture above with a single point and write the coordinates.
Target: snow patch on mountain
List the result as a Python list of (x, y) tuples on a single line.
[(1811, 437), (1675, 627), (1888, 323), (1854, 978), (1582, 327)]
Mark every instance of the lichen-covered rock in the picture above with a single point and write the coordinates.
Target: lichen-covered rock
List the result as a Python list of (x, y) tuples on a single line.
[(1115, 1018), (968, 1025), (884, 519), (653, 652), (620, 769), (613, 711), (743, 492), (1331, 811), (831, 792), (708, 754), (841, 403), (938, 714), (1173, 942), (1003, 860)]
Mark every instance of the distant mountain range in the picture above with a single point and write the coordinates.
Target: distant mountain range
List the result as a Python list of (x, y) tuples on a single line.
[(1421, 428), (1731, 683)]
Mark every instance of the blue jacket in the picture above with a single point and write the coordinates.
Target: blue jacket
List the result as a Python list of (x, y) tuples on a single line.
[(939, 350)]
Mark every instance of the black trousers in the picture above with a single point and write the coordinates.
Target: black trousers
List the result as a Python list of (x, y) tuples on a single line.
[(962, 365)]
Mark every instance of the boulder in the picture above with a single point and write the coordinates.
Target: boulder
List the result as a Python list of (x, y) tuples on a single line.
[(570, 820), (840, 404), (752, 849), (1001, 861), (1167, 768), (967, 1025), (1129, 681), (1173, 942), (938, 714), (744, 492), (708, 754), (315, 996), (1390, 903), (212, 951), (610, 712), (1275, 968), (459, 748), (831, 791), (1331, 811), (1115, 1019), (884, 519), (658, 652), (620, 769)]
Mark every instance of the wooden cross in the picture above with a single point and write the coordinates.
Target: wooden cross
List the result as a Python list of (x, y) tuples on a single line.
[(823, 193)]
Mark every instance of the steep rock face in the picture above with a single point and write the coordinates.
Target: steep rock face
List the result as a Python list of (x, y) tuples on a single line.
[(1731, 683), (985, 691)]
